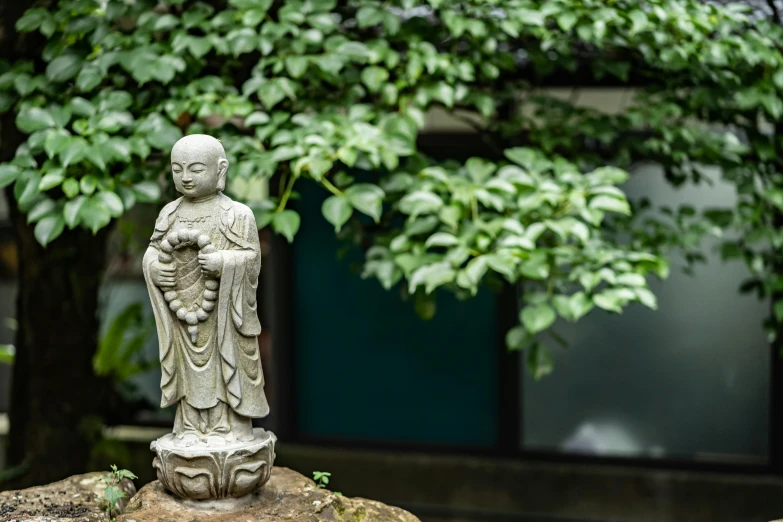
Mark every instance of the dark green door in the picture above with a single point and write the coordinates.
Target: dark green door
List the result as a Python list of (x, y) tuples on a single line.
[(368, 368)]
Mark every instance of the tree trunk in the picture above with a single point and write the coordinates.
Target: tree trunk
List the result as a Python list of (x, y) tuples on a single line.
[(56, 400)]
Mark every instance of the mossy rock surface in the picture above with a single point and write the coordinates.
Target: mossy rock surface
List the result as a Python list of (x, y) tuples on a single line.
[(75, 499), (287, 496)]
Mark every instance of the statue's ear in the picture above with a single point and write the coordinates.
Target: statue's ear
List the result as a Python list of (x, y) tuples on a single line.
[(222, 170)]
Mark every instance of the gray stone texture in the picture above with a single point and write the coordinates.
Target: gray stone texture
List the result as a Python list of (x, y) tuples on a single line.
[(287, 496), (75, 499)]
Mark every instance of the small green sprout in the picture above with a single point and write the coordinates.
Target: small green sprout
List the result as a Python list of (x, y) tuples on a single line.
[(321, 479), (112, 494)]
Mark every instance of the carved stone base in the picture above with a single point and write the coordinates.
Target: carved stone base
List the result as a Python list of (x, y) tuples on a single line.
[(212, 471)]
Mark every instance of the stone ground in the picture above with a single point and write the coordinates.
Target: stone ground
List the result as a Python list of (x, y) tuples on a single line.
[(287, 496), (75, 499)]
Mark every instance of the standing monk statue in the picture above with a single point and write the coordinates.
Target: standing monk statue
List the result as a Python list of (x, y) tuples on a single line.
[(202, 269)]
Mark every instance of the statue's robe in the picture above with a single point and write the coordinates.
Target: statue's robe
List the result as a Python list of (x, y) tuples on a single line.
[(217, 381)]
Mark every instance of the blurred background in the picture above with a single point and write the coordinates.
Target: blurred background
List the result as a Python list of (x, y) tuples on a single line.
[(649, 415), (652, 415)]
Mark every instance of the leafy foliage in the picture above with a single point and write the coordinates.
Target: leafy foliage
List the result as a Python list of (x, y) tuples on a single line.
[(112, 494), (119, 350), (336, 94)]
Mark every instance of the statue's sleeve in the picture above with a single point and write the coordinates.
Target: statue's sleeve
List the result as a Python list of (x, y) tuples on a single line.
[(241, 268), (238, 324), (164, 324)]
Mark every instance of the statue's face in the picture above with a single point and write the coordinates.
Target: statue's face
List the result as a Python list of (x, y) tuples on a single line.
[(195, 175)]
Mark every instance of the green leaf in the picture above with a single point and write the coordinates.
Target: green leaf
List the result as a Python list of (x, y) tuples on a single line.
[(113, 121), (539, 361), (420, 202), (604, 175), (8, 174), (431, 276), (127, 196), (165, 22), (271, 94), (647, 298), (537, 267), (609, 300), (63, 68), (198, 47), (6, 101), (113, 494), (70, 187), (445, 93), (72, 208), (522, 156), (286, 223), (76, 151), (537, 318), (41, 209), (48, 229), (631, 279), (31, 181), (337, 210), (611, 204), (118, 148), (56, 141), (60, 115), (112, 202), (368, 15), (242, 41), (503, 263), (34, 119), (94, 214), (638, 20), (441, 239), (89, 77), (480, 170), (567, 20), (51, 180), (367, 198), (147, 191), (88, 184), (374, 77), (81, 106), (517, 338), (296, 65), (32, 19), (778, 310), (778, 79), (353, 50), (347, 155), (573, 307)]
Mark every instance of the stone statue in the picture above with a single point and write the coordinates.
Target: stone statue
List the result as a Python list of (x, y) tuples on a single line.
[(202, 269)]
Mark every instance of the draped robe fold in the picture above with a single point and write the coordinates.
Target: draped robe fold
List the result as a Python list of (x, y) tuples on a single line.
[(224, 364)]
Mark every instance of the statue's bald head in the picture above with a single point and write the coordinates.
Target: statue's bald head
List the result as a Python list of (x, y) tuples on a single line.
[(198, 145), (199, 165)]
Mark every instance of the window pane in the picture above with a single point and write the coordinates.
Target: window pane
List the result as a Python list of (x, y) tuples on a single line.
[(691, 380)]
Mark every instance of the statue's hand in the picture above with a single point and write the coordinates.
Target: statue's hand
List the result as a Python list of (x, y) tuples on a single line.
[(211, 264), (163, 274)]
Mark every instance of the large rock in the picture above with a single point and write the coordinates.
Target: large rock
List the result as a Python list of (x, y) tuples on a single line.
[(75, 499), (287, 496)]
